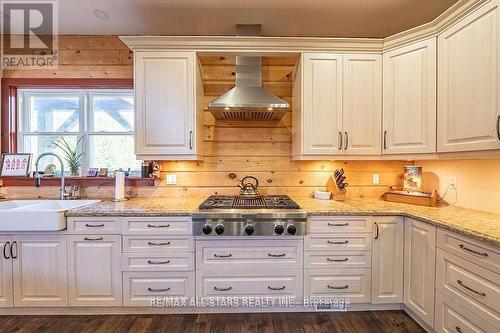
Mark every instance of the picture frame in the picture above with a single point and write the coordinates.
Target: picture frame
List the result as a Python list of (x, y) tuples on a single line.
[(15, 165), (92, 172), (103, 172)]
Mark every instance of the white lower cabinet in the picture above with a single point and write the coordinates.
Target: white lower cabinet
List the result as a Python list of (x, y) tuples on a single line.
[(39, 271), (387, 260), (95, 270), (6, 295), (420, 269)]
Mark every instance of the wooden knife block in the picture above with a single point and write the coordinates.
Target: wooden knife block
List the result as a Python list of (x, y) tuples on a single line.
[(337, 194)]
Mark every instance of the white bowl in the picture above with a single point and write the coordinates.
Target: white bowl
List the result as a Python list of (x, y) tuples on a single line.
[(322, 195)]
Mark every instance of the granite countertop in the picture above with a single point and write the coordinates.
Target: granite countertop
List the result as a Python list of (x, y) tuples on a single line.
[(472, 223)]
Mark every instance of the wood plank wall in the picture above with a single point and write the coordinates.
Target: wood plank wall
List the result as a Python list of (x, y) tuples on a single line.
[(259, 148)]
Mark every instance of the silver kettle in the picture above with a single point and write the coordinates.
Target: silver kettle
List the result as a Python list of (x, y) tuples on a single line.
[(248, 188)]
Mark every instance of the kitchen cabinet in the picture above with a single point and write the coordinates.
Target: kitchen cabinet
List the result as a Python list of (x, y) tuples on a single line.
[(337, 105), (387, 259), (409, 107), (469, 82), (39, 267), (420, 269), (169, 106), (94, 272), (6, 296)]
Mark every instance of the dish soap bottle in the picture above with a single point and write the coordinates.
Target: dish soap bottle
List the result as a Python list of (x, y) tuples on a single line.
[(3, 191)]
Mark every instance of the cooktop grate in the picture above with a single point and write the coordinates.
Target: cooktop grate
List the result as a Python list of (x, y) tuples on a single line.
[(242, 202), (266, 202)]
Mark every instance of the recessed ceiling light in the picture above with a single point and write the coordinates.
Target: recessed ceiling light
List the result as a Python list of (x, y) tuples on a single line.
[(100, 14)]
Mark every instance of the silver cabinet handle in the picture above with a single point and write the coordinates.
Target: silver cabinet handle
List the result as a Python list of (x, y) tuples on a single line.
[(94, 225), (191, 140), (276, 255), (12, 255), (158, 225), (335, 287), (463, 247), (498, 127), (279, 288), (344, 242), (338, 224), (346, 140), (158, 290), (158, 262), (158, 244), (470, 289), (223, 289), (222, 255), (5, 250), (337, 260), (93, 239), (385, 139), (377, 231), (340, 140)]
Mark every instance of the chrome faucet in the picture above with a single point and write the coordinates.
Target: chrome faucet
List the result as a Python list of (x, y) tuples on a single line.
[(38, 176)]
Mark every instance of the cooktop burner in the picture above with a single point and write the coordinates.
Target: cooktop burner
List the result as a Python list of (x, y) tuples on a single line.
[(264, 201)]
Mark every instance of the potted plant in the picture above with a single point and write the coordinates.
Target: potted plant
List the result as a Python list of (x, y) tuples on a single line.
[(72, 155)]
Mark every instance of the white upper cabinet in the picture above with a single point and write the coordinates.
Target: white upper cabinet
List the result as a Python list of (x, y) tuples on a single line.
[(469, 82), (169, 99), (409, 111), (362, 104)]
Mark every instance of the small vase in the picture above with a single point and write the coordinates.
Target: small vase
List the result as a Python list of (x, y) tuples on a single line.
[(74, 171)]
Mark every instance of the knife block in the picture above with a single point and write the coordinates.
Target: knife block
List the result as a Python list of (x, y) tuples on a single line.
[(337, 194)]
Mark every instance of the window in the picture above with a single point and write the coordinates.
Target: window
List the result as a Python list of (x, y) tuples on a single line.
[(103, 118)]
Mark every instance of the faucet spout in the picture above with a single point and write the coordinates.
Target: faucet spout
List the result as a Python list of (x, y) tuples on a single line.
[(38, 176)]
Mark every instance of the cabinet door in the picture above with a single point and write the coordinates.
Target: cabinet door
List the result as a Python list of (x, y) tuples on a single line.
[(95, 270), (469, 82), (362, 99), (322, 104), (5, 273), (165, 103), (420, 269), (410, 99), (387, 260), (40, 271)]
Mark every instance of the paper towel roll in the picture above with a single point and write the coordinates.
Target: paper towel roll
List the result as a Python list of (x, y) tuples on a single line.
[(119, 185)]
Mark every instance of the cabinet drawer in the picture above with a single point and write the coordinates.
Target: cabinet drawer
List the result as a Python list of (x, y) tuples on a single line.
[(157, 225), (338, 242), (339, 224), (94, 225), (477, 252), (142, 288), (157, 244), (248, 283), (452, 318), (338, 259), (256, 254), (158, 262), (352, 284), (476, 288)]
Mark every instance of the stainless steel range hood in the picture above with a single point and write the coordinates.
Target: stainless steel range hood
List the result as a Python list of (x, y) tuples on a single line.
[(248, 99)]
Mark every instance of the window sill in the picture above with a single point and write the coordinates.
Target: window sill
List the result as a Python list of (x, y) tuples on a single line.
[(82, 181)]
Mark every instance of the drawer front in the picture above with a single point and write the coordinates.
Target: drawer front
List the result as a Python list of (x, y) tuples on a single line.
[(157, 225), (158, 262), (144, 288), (352, 284), (94, 225), (338, 259), (477, 252), (476, 288), (338, 242), (452, 318), (339, 224), (248, 283), (157, 244), (253, 254)]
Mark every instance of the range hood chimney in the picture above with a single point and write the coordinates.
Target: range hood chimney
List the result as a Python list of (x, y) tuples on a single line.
[(248, 100)]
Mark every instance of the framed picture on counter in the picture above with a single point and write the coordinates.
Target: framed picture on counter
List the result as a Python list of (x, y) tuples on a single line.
[(15, 164)]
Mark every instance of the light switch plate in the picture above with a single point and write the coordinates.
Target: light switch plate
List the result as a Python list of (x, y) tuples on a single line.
[(376, 178), (171, 179)]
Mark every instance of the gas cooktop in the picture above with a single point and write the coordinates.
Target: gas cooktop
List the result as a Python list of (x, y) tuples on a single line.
[(241, 202)]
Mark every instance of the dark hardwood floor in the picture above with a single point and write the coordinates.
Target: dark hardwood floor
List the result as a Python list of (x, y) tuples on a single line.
[(355, 322)]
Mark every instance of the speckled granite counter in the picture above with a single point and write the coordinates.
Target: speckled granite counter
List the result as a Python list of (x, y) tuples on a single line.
[(476, 224)]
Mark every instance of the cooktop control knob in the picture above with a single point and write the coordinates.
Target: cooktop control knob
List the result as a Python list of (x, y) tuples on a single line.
[(291, 229), (279, 229), (249, 229), (219, 229), (207, 229)]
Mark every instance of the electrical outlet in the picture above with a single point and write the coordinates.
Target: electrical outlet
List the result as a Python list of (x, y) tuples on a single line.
[(452, 183), (376, 178), (171, 179)]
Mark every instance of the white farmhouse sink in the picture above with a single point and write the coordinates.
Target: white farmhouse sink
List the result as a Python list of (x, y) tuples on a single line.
[(37, 215)]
